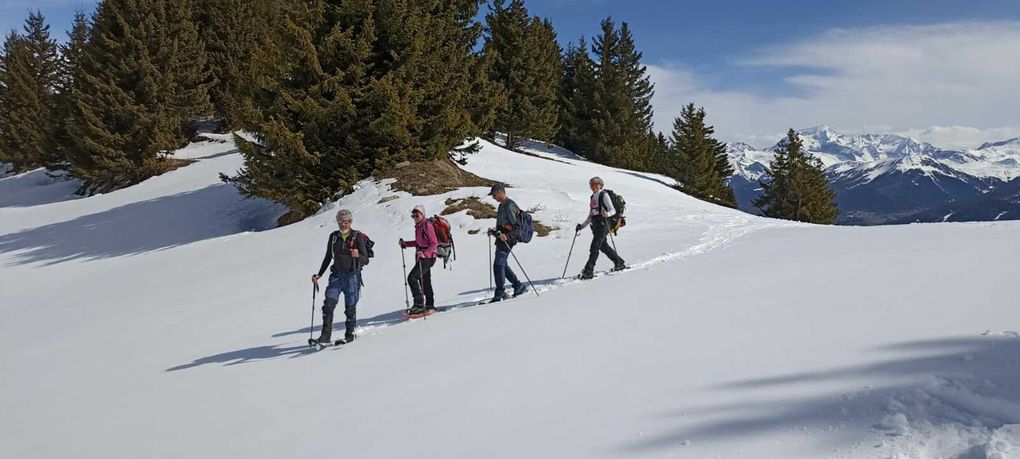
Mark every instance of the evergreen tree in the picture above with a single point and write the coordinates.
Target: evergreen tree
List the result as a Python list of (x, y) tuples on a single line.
[(699, 161), (623, 92), (577, 94), (28, 102), (526, 60), (795, 187), (361, 85), (143, 80), (69, 72), (233, 32)]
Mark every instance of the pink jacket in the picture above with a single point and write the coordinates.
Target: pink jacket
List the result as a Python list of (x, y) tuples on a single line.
[(425, 239)]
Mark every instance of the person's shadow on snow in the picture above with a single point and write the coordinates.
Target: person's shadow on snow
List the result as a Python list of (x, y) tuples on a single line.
[(252, 354)]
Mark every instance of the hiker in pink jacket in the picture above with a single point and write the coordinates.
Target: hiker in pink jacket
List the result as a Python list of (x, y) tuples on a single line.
[(420, 280)]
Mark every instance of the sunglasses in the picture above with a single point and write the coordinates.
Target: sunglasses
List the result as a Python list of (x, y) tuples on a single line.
[(344, 220)]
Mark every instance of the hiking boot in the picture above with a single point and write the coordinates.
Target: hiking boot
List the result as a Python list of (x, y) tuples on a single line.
[(520, 289), (348, 337), (416, 311), (499, 296), (430, 308), (585, 275), (327, 330), (620, 267)]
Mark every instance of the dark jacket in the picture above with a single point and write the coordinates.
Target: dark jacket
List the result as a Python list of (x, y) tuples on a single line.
[(507, 216), (338, 250)]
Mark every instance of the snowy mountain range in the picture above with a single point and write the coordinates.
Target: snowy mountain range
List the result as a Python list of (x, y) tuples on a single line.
[(888, 178)]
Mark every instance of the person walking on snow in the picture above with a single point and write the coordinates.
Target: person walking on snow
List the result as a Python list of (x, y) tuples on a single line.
[(507, 220), (348, 251), (600, 211), (420, 280)]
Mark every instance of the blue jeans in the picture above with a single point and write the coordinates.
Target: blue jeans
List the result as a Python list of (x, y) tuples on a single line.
[(501, 272), (350, 285)]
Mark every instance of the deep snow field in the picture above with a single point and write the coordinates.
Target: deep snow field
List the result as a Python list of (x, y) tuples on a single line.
[(169, 319)]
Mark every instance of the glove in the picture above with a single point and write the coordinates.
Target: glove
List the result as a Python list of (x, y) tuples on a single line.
[(401, 243), (578, 228)]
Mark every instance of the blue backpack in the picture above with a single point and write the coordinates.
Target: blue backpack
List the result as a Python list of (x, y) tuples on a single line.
[(525, 227)]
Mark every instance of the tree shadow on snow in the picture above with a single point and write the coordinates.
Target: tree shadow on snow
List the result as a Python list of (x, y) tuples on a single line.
[(35, 188), (161, 223), (252, 354), (970, 381)]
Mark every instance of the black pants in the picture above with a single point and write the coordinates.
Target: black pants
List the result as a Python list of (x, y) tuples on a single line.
[(420, 281), (599, 232)]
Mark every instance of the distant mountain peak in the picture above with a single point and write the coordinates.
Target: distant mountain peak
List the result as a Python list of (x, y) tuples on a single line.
[(1011, 142)]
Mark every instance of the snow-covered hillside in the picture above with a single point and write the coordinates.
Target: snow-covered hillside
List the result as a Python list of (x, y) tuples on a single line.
[(169, 319)]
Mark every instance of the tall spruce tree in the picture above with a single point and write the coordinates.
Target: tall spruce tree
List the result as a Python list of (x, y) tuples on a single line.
[(623, 112), (143, 80), (71, 54), (526, 61), (795, 187), (234, 32), (577, 94), (699, 161), (363, 85), (28, 102)]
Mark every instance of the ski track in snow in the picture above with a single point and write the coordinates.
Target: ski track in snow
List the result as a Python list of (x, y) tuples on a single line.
[(717, 236)]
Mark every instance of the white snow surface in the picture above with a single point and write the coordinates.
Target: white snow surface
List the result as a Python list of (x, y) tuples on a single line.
[(169, 319)]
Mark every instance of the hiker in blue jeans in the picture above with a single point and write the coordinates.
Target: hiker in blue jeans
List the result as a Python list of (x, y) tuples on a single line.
[(348, 251), (507, 220)]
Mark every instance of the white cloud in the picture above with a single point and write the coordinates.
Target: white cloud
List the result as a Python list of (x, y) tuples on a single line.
[(880, 79)]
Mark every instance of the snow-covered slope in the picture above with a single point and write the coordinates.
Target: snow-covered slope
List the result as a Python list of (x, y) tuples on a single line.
[(168, 320)]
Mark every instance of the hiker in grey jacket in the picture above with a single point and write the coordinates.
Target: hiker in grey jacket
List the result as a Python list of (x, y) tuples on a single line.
[(348, 251), (507, 221), (600, 211)]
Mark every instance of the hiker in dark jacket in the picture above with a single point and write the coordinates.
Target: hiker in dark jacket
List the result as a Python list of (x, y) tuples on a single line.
[(348, 251), (507, 221), (600, 211), (420, 280)]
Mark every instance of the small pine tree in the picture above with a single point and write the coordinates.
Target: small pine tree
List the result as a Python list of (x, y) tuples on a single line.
[(795, 187), (29, 78), (143, 80), (699, 161)]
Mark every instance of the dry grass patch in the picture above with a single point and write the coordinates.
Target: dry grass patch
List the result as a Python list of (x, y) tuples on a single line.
[(427, 178), (473, 205), (542, 230)]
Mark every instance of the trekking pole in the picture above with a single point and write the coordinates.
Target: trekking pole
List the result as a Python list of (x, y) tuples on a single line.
[(311, 326), (524, 272), (490, 261), (613, 240), (407, 302), (569, 254), (421, 280)]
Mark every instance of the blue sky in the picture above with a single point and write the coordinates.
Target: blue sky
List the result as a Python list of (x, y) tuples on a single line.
[(939, 70)]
